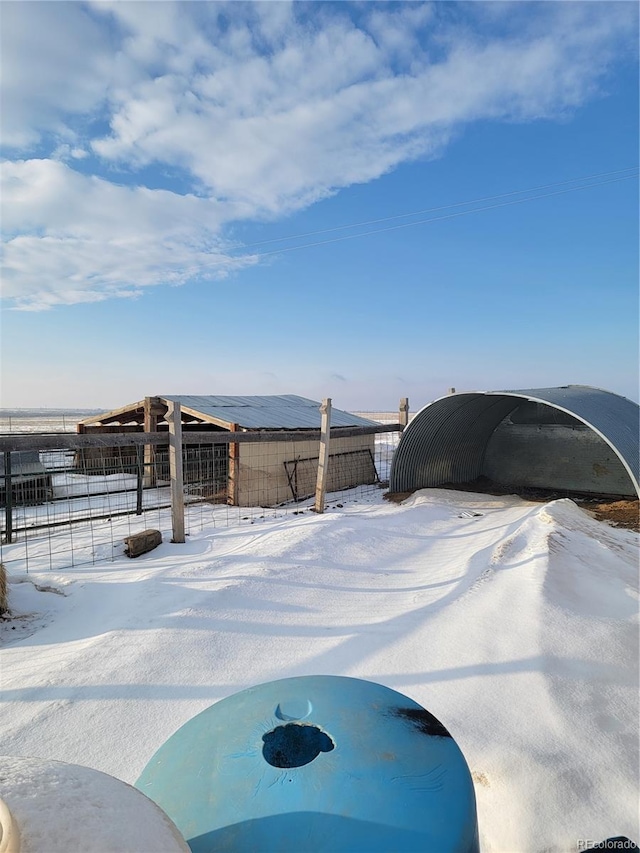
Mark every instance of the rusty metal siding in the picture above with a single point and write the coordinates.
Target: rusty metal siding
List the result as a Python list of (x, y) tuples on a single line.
[(447, 440), (286, 411)]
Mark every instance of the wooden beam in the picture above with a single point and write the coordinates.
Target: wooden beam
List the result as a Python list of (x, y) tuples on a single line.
[(234, 471), (71, 441), (150, 425), (98, 419), (403, 412), (208, 419)]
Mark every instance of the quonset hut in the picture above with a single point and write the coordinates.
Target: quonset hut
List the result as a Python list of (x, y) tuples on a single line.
[(575, 439)]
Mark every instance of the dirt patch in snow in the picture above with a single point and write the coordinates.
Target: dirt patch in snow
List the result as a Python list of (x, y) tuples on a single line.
[(619, 513)]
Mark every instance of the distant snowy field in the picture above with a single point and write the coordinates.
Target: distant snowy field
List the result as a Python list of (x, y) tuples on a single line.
[(42, 420), (515, 623)]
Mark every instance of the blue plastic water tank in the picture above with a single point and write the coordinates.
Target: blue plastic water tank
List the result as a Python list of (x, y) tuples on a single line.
[(316, 763)]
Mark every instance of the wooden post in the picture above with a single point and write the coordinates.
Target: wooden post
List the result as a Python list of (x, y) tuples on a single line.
[(150, 425), (8, 499), (233, 480), (403, 413), (174, 419), (323, 454), (78, 456), (139, 478)]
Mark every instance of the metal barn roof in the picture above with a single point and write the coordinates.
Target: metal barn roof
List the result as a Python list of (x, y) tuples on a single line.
[(446, 440), (286, 411)]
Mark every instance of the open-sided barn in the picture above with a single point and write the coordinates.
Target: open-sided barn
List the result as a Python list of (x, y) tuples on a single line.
[(264, 473)]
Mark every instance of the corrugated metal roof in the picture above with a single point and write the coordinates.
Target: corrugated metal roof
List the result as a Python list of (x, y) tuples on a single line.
[(285, 411), (446, 440)]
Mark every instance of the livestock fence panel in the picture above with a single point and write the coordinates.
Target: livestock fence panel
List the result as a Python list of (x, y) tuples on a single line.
[(71, 499)]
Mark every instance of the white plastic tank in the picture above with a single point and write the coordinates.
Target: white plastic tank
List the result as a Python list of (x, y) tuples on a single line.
[(53, 807)]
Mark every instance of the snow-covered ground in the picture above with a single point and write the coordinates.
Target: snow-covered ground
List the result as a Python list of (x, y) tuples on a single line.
[(515, 623)]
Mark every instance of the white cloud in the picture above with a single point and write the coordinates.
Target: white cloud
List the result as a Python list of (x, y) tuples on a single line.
[(280, 130), (265, 107), (64, 151), (71, 238), (56, 62), (397, 30)]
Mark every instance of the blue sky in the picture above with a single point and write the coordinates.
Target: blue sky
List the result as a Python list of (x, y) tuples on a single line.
[(150, 150)]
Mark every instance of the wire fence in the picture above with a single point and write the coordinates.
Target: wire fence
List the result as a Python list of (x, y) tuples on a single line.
[(72, 500)]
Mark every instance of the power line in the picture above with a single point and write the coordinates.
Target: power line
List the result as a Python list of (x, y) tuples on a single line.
[(433, 219), (442, 207)]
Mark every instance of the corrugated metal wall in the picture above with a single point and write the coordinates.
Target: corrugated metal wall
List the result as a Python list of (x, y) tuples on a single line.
[(447, 441), (554, 456)]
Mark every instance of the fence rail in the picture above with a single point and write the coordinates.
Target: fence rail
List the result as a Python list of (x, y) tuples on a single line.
[(69, 441), (71, 499)]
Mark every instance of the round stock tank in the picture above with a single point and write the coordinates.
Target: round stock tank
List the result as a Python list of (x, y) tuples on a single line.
[(317, 763)]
